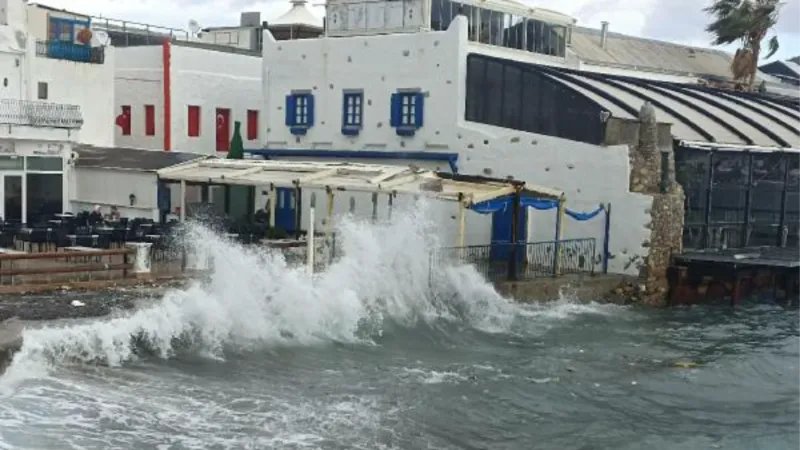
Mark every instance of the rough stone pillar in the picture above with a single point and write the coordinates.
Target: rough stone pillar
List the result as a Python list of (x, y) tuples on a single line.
[(667, 215), (645, 157)]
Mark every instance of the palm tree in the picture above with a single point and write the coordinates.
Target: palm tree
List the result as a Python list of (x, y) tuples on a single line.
[(746, 22)]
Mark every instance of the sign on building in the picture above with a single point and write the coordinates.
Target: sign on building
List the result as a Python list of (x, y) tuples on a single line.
[(365, 17)]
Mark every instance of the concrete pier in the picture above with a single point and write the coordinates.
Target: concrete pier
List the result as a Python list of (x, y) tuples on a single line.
[(10, 341)]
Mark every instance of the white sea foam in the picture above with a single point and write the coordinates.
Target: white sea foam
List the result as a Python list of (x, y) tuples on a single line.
[(255, 299)]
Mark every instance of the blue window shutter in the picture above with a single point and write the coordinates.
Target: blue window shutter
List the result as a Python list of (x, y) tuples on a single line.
[(396, 110), (310, 109), (344, 110), (290, 111), (419, 110)]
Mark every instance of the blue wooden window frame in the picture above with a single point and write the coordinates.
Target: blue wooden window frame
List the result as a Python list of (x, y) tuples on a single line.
[(407, 112), (299, 112), (352, 113)]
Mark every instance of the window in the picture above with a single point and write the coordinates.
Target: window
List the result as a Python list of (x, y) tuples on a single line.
[(149, 120), (42, 90), (352, 112), (299, 112), (124, 120), (252, 124), (61, 29), (519, 96), (44, 164), (406, 115), (193, 128)]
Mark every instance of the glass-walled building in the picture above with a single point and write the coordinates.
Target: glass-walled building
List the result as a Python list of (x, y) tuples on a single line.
[(492, 25)]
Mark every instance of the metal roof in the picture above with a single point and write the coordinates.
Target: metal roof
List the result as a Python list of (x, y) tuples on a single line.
[(644, 54), (119, 158), (350, 177), (697, 113)]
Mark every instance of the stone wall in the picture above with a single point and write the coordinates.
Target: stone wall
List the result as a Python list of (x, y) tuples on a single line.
[(648, 141)]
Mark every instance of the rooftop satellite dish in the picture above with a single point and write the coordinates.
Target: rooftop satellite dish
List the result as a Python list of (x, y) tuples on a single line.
[(102, 37), (194, 27)]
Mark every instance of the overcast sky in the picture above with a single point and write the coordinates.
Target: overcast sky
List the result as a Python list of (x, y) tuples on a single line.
[(681, 21)]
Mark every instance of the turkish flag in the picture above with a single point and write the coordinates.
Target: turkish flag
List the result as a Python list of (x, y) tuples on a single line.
[(223, 129), (124, 121)]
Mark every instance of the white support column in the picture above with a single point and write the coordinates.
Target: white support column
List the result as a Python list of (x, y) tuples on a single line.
[(273, 201), (183, 200), (310, 240), (462, 223)]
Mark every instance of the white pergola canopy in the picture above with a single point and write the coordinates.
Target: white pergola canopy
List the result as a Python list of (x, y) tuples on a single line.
[(343, 176)]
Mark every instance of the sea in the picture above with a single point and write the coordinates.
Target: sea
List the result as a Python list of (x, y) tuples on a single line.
[(370, 354)]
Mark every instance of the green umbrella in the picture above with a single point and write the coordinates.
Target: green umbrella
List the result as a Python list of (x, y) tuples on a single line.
[(237, 146)]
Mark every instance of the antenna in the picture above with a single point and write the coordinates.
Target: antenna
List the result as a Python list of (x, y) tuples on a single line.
[(194, 26)]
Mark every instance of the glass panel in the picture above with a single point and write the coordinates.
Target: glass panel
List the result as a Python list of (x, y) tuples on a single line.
[(768, 177), (441, 14), (44, 163), (494, 93), (485, 27), (13, 198), (12, 163), (44, 196), (475, 80), (512, 97)]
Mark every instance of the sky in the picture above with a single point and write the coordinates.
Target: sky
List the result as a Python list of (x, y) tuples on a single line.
[(680, 21)]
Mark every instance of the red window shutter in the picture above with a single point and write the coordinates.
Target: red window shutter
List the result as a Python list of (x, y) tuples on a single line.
[(149, 120), (252, 125), (124, 120), (194, 121)]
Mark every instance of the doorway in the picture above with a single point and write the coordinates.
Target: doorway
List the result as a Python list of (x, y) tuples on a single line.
[(223, 129), (12, 198)]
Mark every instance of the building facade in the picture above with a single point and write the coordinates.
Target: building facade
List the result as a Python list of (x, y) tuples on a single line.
[(404, 96), (48, 102), (186, 97)]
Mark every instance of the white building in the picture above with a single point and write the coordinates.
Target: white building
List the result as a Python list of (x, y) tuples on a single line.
[(491, 88), (186, 96), (57, 90)]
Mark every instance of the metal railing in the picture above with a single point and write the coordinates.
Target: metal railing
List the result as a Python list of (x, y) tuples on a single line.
[(40, 114), (70, 51), (534, 260)]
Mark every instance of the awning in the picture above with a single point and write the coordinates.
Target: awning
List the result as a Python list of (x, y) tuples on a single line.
[(409, 180)]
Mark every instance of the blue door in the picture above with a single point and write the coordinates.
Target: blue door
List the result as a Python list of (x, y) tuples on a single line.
[(284, 209), (501, 232)]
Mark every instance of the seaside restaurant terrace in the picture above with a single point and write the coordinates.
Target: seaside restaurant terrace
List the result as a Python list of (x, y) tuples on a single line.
[(470, 192)]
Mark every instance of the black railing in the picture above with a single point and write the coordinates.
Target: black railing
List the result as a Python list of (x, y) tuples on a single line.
[(70, 51), (534, 260), (40, 114)]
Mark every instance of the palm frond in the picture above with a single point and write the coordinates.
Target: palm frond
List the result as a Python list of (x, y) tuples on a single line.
[(772, 47)]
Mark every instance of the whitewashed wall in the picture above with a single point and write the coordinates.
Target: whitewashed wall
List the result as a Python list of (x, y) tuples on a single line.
[(108, 187), (213, 79), (90, 86), (435, 62), (138, 81), (201, 77)]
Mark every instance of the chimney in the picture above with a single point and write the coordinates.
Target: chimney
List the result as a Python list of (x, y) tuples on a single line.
[(604, 34)]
